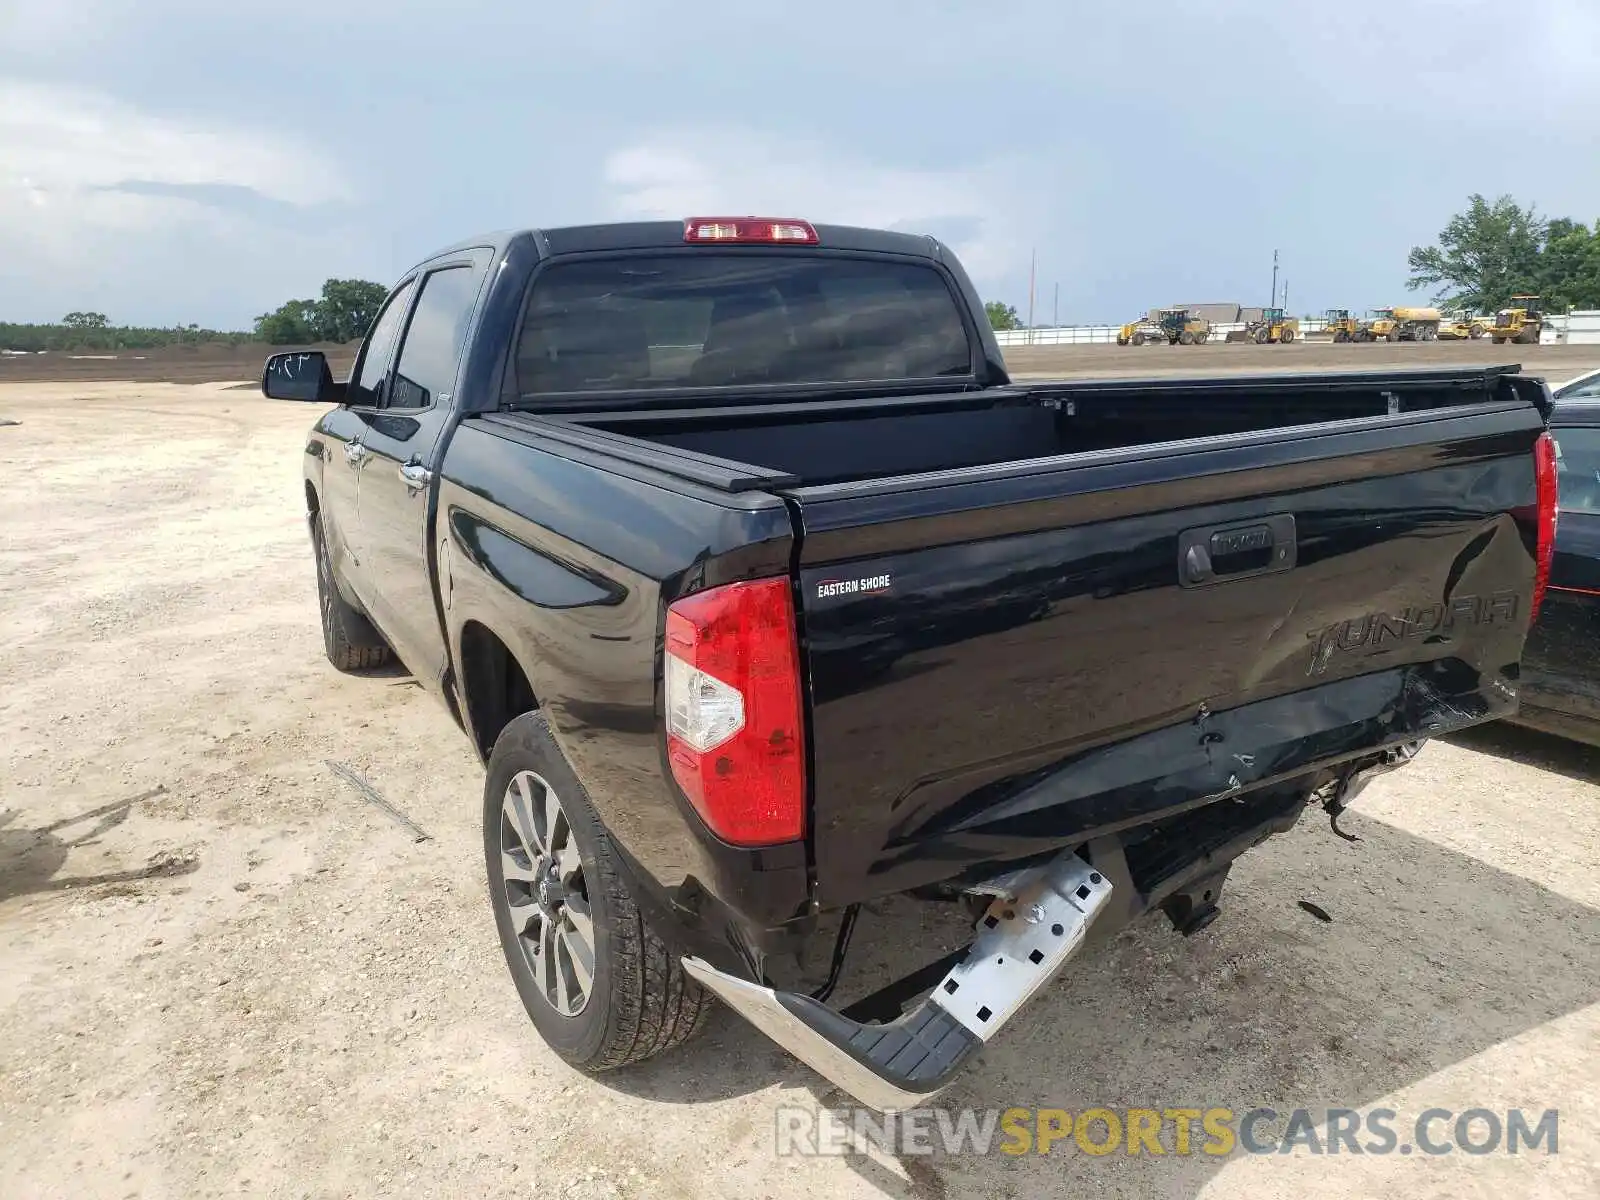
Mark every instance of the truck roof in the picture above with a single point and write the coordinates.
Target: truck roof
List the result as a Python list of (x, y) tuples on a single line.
[(667, 235)]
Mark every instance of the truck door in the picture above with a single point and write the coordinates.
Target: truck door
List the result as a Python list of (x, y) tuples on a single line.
[(346, 455), (401, 441)]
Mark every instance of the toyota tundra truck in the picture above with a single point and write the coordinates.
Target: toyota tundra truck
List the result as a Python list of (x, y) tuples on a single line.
[(764, 592)]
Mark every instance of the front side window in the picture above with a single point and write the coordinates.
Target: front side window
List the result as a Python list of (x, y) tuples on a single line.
[(1578, 467), (367, 386), (695, 319), (1587, 388)]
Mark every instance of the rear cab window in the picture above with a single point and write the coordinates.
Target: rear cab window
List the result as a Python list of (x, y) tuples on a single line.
[(707, 319)]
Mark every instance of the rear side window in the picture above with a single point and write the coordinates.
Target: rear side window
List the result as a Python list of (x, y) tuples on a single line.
[(434, 338), (698, 319)]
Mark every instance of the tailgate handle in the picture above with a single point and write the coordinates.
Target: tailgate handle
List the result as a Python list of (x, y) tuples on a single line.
[(1222, 553)]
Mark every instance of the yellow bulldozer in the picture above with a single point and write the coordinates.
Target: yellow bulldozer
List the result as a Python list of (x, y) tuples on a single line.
[(1273, 327), (1402, 325), (1338, 324), (1520, 322)]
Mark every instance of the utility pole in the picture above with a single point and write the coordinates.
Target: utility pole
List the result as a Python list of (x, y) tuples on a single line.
[(1055, 309), (1273, 303), (1286, 295), (1033, 270)]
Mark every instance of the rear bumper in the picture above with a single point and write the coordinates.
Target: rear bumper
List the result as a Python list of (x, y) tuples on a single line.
[(1022, 942)]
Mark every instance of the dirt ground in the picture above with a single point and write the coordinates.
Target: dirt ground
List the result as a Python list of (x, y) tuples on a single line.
[(222, 972)]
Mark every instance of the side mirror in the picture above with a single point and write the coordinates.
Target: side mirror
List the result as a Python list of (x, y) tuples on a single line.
[(300, 375)]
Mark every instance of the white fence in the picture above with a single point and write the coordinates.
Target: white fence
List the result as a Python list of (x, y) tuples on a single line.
[(1580, 328)]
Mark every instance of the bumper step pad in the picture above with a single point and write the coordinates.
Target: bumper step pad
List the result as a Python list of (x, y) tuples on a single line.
[(1029, 932)]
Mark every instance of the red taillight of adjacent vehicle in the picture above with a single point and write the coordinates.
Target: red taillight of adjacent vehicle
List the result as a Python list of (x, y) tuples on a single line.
[(771, 230), (732, 699), (1544, 473)]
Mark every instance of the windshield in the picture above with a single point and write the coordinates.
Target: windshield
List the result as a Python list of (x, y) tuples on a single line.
[(716, 320)]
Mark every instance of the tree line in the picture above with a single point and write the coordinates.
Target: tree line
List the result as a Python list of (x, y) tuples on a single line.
[(93, 332), (342, 313)]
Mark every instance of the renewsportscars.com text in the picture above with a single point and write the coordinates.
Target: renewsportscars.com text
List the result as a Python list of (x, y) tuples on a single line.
[(1179, 1131)]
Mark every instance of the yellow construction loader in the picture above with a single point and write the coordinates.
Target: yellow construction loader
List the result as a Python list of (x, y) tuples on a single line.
[(1521, 322), (1273, 327), (1338, 324)]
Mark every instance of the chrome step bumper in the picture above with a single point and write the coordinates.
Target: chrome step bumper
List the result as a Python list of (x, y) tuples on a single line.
[(1036, 923)]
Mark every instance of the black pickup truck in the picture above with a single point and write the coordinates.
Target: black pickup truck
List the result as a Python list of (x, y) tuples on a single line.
[(763, 592)]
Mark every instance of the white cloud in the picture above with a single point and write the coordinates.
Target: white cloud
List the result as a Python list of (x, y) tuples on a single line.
[(717, 170), (66, 139), (64, 222)]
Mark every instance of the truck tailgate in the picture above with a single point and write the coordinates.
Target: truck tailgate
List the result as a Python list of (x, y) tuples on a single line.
[(1007, 660)]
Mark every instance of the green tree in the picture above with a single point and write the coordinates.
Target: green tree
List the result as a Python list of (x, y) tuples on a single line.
[(85, 320), (1002, 316), (345, 311), (292, 324), (1484, 256), (1569, 268), (347, 308)]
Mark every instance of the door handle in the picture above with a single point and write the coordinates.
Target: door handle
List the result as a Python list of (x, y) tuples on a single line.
[(354, 452), (415, 476)]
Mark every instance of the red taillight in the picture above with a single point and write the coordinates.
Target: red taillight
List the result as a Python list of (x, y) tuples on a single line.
[(771, 230), (1544, 474), (732, 699)]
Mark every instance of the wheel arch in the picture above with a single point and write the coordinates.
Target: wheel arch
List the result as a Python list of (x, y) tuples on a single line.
[(494, 684)]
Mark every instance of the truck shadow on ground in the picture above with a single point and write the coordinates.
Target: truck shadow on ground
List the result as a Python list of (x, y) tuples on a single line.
[(1534, 748), (31, 859), (1431, 957)]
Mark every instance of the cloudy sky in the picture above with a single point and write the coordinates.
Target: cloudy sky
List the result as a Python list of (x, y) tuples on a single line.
[(172, 161)]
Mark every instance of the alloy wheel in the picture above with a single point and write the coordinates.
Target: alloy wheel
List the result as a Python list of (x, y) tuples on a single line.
[(546, 893)]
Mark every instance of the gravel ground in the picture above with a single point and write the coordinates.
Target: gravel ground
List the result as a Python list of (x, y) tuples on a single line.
[(225, 973)]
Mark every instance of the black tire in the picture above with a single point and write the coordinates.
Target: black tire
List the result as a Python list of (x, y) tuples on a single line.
[(1498, 340), (1341, 336), (1287, 335), (640, 1001), (348, 638), (1138, 339)]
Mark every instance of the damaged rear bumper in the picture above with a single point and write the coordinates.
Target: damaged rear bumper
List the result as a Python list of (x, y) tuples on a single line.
[(1037, 922)]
